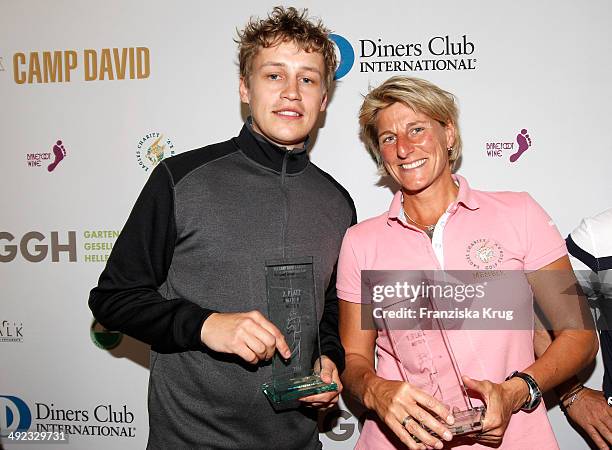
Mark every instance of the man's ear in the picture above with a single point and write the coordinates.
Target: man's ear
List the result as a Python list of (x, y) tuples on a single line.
[(323, 102), (244, 91)]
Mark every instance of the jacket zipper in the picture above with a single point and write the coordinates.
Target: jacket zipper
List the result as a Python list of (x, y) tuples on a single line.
[(286, 195)]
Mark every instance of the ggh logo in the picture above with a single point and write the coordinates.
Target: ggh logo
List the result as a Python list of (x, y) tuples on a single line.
[(347, 55), (14, 415), (33, 249)]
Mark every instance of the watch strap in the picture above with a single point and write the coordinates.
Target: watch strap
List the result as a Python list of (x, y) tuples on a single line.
[(535, 393)]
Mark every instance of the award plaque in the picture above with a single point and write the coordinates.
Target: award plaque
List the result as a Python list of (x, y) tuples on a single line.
[(426, 360), (292, 308)]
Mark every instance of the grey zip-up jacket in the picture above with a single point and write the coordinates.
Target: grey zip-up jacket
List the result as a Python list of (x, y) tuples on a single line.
[(196, 242)]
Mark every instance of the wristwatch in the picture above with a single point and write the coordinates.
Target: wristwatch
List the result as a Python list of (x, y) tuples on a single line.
[(535, 394)]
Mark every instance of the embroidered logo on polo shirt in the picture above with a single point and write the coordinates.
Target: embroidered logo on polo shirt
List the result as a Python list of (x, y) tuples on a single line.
[(484, 254)]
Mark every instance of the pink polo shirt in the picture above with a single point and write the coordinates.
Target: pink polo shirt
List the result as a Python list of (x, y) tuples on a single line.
[(518, 234)]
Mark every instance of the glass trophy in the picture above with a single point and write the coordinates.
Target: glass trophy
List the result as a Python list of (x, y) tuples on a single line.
[(292, 308), (425, 357)]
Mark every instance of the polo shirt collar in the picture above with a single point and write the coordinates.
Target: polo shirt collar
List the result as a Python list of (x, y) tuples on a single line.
[(465, 198), (264, 152), (396, 205)]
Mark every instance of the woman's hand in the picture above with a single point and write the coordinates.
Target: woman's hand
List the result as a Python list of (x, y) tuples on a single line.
[(502, 400), (407, 410)]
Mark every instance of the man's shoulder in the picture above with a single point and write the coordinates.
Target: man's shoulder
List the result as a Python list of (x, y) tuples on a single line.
[(337, 186), (592, 240), (600, 227), (184, 163)]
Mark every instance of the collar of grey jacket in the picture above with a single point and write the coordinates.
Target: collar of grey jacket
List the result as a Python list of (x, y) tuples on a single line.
[(262, 151)]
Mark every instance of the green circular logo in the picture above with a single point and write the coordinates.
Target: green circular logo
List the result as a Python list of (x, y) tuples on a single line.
[(103, 338)]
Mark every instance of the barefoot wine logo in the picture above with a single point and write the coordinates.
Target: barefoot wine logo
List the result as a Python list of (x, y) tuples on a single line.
[(510, 149), (152, 149), (50, 159)]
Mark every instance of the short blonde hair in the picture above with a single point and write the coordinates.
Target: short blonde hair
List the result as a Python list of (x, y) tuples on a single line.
[(419, 95), (286, 25)]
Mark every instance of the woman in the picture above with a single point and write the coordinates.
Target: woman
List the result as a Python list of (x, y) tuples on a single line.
[(435, 219)]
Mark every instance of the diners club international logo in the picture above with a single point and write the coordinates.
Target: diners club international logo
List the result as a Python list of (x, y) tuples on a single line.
[(346, 55), (484, 254), (152, 149), (376, 54), (15, 415), (105, 420)]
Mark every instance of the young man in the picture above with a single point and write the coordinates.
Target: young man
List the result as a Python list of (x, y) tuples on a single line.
[(590, 246), (187, 273)]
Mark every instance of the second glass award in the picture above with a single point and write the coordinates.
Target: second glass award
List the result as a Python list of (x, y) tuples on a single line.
[(425, 357)]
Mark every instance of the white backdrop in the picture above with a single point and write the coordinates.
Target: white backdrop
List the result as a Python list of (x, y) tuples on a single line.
[(540, 66)]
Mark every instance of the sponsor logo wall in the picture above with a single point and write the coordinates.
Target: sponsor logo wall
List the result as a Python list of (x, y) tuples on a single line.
[(91, 109)]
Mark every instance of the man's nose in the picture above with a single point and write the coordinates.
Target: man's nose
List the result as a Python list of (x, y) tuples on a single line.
[(291, 90)]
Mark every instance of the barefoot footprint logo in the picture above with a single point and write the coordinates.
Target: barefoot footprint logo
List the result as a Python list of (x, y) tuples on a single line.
[(524, 143), (49, 159), (59, 153)]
